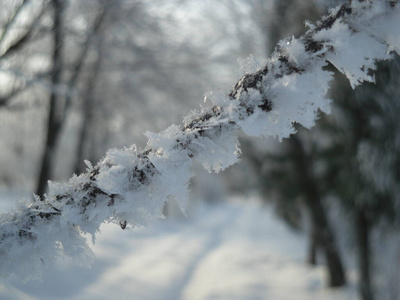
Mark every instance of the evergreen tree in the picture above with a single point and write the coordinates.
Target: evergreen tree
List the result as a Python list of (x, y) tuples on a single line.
[(362, 159)]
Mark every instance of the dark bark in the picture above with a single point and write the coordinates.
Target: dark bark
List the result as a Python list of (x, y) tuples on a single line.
[(87, 109), (322, 229), (79, 64), (16, 44), (364, 255), (313, 245), (88, 97), (12, 20), (52, 122), (20, 41), (144, 171), (324, 234), (58, 115)]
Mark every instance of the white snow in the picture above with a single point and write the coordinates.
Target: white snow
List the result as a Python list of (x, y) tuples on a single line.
[(132, 187), (231, 250)]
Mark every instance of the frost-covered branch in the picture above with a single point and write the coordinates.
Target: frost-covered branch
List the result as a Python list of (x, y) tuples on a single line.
[(129, 187)]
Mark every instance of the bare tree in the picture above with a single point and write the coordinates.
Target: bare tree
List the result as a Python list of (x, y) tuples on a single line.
[(131, 185), (16, 35), (59, 109)]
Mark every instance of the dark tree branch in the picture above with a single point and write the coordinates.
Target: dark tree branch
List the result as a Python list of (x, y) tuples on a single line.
[(22, 40), (200, 127), (77, 70), (9, 25)]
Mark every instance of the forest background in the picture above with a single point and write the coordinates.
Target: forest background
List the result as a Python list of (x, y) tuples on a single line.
[(120, 68)]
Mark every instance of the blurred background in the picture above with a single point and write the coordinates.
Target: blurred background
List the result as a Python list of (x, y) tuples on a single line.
[(80, 77)]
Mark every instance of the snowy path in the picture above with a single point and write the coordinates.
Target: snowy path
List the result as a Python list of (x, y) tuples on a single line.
[(227, 251)]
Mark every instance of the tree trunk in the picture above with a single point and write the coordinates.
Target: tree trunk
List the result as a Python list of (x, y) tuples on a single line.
[(57, 111), (88, 97), (312, 246), (323, 231), (87, 109), (324, 235), (52, 120), (364, 255)]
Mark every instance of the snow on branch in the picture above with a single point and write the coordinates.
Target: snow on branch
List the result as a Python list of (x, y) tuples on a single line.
[(129, 187)]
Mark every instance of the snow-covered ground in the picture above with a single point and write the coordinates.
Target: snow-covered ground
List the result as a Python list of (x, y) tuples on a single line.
[(230, 250)]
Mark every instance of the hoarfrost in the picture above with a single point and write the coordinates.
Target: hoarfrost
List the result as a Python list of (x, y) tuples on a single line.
[(129, 187), (354, 54)]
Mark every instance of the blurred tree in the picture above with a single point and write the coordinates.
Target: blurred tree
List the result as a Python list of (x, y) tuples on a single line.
[(102, 63), (60, 103), (354, 154), (23, 69), (362, 158), (17, 32), (104, 75), (53, 121), (289, 178)]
